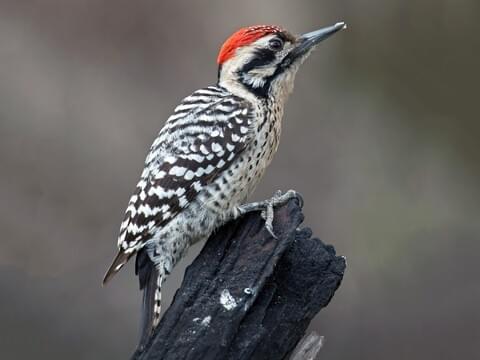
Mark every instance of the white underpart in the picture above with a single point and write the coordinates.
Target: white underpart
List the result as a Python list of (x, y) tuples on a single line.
[(227, 300)]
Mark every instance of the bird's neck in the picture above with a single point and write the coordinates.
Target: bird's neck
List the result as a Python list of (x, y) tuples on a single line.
[(235, 87), (278, 94)]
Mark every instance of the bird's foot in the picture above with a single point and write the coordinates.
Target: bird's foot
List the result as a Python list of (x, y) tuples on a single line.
[(267, 206)]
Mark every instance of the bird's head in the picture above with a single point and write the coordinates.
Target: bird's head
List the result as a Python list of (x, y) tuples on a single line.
[(264, 59)]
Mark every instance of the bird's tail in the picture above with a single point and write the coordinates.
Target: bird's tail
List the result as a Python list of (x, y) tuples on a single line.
[(150, 281), (120, 260)]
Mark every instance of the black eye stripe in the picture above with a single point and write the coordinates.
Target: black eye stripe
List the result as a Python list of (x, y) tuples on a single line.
[(262, 57)]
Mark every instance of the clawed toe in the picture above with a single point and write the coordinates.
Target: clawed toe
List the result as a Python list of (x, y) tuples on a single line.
[(267, 207), (267, 214), (299, 198), (269, 228), (280, 199)]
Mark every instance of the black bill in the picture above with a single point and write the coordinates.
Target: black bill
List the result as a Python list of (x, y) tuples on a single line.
[(307, 41)]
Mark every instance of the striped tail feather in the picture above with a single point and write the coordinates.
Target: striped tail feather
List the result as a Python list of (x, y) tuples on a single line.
[(150, 282)]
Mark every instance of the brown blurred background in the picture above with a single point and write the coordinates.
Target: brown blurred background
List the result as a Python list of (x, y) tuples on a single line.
[(381, 136)]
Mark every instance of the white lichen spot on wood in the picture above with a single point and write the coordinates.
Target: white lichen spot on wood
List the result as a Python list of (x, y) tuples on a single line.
[(227, 300), (249, 291), (206, 321)]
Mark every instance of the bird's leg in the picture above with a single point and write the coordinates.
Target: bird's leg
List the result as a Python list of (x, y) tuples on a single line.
[(267, 206)]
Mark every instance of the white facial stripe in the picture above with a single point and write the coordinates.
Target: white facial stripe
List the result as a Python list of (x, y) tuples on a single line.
[(256, 78), (244, 55)]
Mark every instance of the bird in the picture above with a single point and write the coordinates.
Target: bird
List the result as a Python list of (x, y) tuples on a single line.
[(210, 155)]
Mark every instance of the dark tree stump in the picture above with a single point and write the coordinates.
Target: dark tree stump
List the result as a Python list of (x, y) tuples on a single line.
[(248, 295)]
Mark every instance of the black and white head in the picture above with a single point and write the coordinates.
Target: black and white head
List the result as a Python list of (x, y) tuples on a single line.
[(264, 59)]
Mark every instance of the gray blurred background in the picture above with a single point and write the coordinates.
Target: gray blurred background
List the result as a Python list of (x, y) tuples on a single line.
[(381, 136)]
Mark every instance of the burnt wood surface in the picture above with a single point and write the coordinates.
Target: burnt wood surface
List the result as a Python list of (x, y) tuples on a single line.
[(248, 295)]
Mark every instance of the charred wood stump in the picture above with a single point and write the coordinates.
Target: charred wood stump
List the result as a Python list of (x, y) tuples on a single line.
[(249, 295)]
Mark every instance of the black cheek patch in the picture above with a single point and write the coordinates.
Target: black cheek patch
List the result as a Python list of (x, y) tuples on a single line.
[(262, 57)]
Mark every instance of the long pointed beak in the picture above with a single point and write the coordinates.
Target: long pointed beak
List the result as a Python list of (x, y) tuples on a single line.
[(314, 37), (309, 40)]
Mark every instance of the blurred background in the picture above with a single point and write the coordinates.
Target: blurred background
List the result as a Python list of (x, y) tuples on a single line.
[(381, 136)]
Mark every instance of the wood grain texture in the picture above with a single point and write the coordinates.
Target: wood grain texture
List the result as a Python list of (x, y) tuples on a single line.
[(248, 295)]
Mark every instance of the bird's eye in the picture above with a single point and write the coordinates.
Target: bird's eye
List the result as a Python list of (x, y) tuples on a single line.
[(276, 44)]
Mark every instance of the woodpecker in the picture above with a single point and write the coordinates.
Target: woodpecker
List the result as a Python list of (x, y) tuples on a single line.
[(211, 154)]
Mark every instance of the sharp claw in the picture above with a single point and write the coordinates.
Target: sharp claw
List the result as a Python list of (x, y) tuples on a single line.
[(270, 229), (300, 199), (267, 207)]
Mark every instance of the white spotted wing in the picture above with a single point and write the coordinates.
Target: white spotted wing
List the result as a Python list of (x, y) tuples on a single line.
[(203, 137)]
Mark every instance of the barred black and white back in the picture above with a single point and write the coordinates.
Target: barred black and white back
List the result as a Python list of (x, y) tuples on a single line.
[(203, 137), (200, 140)]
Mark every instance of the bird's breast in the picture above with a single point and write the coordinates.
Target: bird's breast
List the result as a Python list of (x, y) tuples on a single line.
[(235, 184)]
